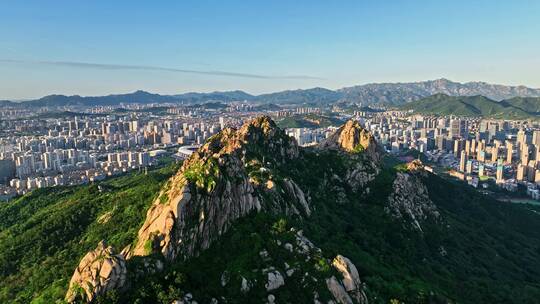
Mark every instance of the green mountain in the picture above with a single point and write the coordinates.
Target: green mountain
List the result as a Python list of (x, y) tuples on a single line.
[(44, 234), (309, 121), (253, 218), (441, 104)]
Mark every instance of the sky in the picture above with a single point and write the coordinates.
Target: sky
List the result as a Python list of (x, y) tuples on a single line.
[(169, 47)]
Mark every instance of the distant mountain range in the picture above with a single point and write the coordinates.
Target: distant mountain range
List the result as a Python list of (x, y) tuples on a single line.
[(391, 94), (442, 104), (400, 93)]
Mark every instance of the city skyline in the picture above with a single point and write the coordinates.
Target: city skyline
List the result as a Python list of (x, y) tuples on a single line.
[(103, 48)]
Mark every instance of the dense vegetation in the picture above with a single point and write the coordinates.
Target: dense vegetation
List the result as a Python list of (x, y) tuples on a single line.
[(484, 251), (309, 121), (44, 234), (441, 104)]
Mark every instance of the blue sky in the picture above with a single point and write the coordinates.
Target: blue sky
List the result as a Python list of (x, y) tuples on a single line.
[(102, 47)]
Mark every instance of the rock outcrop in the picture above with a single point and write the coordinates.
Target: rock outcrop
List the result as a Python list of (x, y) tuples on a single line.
[(274, 279), (415, 165), (99, 271), (350, 288), (351, 137), (351, 279), (218, 184), (410, 201), (363, 150)]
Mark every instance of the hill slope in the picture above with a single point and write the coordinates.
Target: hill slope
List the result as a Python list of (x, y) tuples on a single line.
[(312, 96), (309, 121), (44, 234), (441, 104)]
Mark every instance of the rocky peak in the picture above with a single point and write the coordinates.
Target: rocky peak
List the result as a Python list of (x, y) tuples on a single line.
[(99, 271), (221, 182), (259, 137), (415, 165), (353, 138)]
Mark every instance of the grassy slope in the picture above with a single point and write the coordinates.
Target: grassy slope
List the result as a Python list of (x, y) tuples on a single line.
[(43, 235)]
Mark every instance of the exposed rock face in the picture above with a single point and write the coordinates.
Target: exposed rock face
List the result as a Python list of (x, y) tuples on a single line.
[(351, 137), (338, 291), (293, 191), (360, 174), (246, 285), (99, 271), (274, 279), (351, 280), (364, 151), (214, 188), (415, 165), (409, 200)]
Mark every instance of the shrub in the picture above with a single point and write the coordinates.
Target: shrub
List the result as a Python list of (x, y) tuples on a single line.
[(203, 174)]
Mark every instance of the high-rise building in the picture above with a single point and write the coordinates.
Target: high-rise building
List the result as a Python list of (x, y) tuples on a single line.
[(521, 138), (468, 147), (144, 158), (537, 176), (473, 146), (458, 128), (536, 138), (459, 145), (494, 154), (524, 153), (7, 170), (499, 175), (530, 170), (469, 167), (462, 161), (481, 156), (481, 169), (509, 152), (520, 175)]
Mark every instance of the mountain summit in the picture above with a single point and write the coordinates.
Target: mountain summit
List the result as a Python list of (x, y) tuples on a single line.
[(219, 184)]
